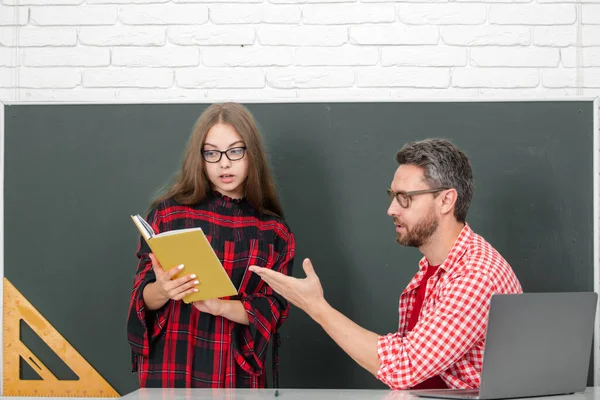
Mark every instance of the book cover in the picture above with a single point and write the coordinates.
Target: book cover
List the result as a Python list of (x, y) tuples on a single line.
[(191, 248)]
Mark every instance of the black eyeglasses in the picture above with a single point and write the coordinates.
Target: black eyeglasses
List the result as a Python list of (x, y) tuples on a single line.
[(233, 154), (404, 198)]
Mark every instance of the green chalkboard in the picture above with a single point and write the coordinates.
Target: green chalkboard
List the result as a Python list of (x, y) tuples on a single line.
[(74, 173)]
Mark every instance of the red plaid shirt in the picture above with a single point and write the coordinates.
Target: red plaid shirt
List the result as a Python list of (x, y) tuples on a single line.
[(449, 338), (179, 346)]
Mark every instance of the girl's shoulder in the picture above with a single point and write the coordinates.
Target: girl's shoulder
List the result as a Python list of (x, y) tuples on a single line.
[(278, 226), (168, 207)]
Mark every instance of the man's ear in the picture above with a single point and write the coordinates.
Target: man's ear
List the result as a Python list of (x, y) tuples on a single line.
[(448, 200)]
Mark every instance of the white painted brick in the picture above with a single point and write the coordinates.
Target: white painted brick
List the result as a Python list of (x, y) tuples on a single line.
[(217, 1), (567, 77), (495, 77), (501, 93), (164, 14), (345, 94), (424, 56), (532, 14), (396, 1), (590, 57), (537, 93), (442, 14), (7, 77), (122, 35), (309, 1), (49, 77), (568, 1), (66, 56), (74, 15), (153, 95), (591, 35), (394, 34), (302, 35), (70, 95), (496, 1), (514, 57), (41, 2), (13, 15), (8, 57), (220, 78), (125, 1), (428, 94), (255, 14), (266, 94), (555, 36), (335, 14), (155, 56), (247, 56), (310, 77), (403, 77), (590, 14), (591, 92), (29, 36), (128, 77), (6, 94), (346, 55), (211, 35), (486, 35)]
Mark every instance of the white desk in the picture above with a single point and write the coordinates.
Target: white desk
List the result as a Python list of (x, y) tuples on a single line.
[(592, 393)]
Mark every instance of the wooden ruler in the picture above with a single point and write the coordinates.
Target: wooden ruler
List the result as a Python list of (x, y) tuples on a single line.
[(90, 382)]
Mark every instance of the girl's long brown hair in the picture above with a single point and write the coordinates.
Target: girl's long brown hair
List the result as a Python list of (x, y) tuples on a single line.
[(191, 184)]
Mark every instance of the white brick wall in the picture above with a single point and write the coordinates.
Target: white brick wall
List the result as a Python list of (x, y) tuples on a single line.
[(211, 50)]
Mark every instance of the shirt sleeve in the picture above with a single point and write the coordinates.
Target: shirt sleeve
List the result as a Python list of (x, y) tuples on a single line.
[(143, 325), (441, 338), (267, 311)]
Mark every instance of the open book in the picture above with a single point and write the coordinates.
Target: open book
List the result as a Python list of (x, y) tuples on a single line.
[(190, 248)]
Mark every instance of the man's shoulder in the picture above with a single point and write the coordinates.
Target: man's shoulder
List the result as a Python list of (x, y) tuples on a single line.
[(482, 251), (482, 258)]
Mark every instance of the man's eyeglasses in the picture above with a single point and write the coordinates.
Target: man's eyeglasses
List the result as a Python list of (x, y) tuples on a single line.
[(404, 198), (233, 154)]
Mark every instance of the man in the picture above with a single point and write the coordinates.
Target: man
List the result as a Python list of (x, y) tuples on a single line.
[(443, 310)]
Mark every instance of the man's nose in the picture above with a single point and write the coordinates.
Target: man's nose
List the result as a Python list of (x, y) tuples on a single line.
[(394, 208)]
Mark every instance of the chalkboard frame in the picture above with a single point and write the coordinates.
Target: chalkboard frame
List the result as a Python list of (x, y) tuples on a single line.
[(596, 175)]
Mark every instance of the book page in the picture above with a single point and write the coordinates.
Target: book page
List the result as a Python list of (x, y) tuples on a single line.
[(176, 231), (144, 228)]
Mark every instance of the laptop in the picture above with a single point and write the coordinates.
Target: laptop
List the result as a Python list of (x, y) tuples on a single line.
[(536, 344)]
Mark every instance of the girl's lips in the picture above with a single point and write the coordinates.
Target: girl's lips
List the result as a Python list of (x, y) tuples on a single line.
[(226, 178)]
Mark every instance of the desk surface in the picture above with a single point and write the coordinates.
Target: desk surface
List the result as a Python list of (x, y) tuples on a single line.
[(591, 393)]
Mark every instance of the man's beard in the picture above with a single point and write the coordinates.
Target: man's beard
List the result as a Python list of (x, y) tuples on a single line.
[(418, 235)]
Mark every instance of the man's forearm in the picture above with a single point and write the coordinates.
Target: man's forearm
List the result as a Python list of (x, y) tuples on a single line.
[(357, 342)]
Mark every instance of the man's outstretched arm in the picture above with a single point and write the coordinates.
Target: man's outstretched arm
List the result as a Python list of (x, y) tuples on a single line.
[(307, 294)]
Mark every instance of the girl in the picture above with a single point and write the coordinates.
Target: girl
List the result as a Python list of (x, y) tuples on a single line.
[(225, 187)]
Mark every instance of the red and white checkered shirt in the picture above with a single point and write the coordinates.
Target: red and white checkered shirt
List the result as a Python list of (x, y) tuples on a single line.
[(449, 338)]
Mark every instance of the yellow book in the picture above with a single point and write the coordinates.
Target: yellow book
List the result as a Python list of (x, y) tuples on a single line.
[(191, 248)]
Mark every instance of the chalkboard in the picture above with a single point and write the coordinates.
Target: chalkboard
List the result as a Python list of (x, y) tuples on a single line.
[(74, 173)]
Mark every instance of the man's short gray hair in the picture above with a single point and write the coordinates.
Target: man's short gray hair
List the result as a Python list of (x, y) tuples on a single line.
[(445, 166)]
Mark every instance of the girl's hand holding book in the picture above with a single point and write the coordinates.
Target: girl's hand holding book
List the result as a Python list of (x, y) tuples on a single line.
[(174, 289)]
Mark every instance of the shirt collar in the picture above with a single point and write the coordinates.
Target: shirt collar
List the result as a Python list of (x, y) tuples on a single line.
[(455, 253)]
